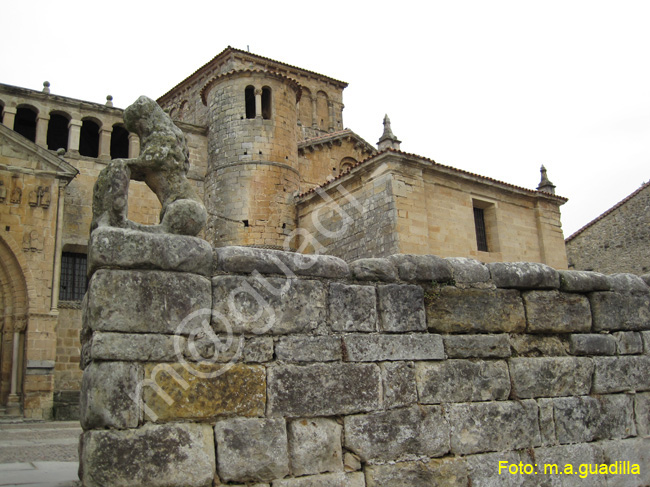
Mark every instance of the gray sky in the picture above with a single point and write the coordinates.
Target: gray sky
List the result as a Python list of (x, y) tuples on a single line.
[(492, 87)]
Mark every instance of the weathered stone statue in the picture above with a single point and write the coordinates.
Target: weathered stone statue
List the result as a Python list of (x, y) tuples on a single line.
[(163, 164)]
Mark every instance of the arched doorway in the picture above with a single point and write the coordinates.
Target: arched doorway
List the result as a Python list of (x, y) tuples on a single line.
[(13, 322)]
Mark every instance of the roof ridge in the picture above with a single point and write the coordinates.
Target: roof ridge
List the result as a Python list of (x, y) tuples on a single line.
[(607, 212)]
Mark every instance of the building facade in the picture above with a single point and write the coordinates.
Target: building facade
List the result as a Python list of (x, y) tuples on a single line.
[(276, 168), (616, 241)]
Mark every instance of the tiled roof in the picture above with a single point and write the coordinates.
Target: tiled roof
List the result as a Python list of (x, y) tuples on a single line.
[(322, 139), (435, 164), (229, 50), (612, 209)]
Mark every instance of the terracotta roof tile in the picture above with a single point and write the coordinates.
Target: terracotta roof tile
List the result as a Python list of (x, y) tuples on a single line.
[(435, 164)]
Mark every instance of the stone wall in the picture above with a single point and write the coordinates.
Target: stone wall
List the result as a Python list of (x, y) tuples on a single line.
[(241, 366), (617, 241)]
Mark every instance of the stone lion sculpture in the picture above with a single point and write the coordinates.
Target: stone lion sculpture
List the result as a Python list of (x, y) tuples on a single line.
[(163, 164)]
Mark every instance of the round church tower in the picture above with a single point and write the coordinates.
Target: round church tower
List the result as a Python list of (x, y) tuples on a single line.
[(252, 158)]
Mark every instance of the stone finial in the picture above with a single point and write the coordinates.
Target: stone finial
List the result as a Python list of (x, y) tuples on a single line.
[(46, 87), (545, 184), (109, 101), (388, 139)]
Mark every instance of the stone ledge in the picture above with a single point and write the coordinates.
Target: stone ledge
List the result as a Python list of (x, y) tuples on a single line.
[(246, 260), (130, 249), (524, 275), (583, 281)]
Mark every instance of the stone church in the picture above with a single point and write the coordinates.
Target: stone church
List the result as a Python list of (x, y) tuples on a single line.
[(276, 168)]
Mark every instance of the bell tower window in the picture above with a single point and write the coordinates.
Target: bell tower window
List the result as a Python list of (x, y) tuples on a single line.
[(266, 103), (249, 96)]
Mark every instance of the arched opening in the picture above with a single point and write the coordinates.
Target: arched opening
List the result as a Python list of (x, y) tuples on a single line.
[(25, 122), (266, 103), (119, 142), (304, 113), (249, 97), (57, 132), (89, 139), (322, 111), (182, 112), (347, 163), (2, 111), (13, 315)]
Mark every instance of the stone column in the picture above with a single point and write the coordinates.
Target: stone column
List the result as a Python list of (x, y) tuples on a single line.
[(74, 135), (134, 146), (330, 114), (42, 124), (314, 110), (58, 243), (9, 117), (258, 103), (13, 401), (105, 143)]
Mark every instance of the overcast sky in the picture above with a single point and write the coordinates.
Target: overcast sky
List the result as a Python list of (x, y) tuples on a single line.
[(492, 87)]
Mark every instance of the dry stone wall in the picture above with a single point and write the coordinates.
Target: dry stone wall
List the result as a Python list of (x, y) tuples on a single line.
[(265, 368)]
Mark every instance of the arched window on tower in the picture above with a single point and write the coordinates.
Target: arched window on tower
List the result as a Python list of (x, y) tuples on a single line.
[(119, 142), (25, 123), (89, 139), (249, 95), (57, 131), (266, 103)]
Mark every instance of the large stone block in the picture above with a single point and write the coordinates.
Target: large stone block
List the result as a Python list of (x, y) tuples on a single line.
[(592, 344), (375, 348), (146, 301), (583, 281), (635, 451), (315, 446), (493, 426), (251, 449), (546, 421), (326, 480), (524, 275), (587, 418), (628, 342), (110, 396), (323, 389), (550, 376), (203, 391), (352, 308), (477, 346), (556, 312), (453, 310), (552, 465), (642, 413), (154, 455), (627, 283), (468, 271), (268, 305), (421, 268), (439, 472), (397, 435), (399, 384), (620, 311), (121, 248), (136, 347), (619, 374), (401, 308), (374, 269), (265, 261), (309, 348), (462, 381), (524, 345), (484, 470)]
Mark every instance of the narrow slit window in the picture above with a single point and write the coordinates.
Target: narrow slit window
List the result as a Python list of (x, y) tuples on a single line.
[(481, 233), (249, 95)]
